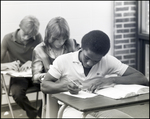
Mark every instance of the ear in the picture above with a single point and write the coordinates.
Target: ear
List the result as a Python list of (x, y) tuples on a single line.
[(82, 49)]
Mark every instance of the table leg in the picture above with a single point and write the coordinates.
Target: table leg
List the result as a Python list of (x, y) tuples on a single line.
[(85, 114), (6, 92), (52, 107), (61, 110)]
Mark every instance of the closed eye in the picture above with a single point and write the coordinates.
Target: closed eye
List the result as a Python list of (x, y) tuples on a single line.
[(86, 58)]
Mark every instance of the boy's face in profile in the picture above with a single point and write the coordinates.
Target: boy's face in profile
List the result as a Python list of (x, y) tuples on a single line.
[(89, 58), (24, 36), (26, 32)]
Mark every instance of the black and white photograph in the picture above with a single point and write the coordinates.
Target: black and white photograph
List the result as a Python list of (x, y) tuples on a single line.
[(74, 59)]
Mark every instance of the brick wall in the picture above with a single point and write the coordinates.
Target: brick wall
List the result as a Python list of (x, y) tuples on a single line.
[(124, 32)]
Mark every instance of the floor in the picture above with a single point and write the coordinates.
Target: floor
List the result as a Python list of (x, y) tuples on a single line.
[(138, 111), (18, 112)]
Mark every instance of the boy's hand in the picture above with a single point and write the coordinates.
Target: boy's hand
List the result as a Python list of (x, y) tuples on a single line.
[(102, 83), (73, 89), (13, 65), (26, 66)]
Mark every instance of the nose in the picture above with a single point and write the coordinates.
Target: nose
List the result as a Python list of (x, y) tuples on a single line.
[(61, 42)]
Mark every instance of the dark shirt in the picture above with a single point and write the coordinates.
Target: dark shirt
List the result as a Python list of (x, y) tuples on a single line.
[(19, 51)]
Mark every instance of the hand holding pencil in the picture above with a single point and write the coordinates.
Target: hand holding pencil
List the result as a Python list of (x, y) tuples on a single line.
[(74, 87)]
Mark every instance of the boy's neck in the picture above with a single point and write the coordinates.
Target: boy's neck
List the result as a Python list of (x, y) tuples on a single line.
[(86, 70)]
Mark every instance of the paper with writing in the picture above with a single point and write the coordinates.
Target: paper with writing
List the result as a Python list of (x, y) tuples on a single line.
[(81, 94)]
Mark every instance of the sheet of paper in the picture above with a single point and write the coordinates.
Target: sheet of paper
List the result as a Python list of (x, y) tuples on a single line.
[(81, 94)]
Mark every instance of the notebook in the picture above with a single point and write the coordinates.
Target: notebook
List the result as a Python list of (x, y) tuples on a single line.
[(27, 73)]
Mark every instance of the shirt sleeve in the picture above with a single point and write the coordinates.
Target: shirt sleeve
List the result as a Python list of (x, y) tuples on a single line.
[(4, 48), (4, 42), (56, 68), (37, 66), (115, 66)]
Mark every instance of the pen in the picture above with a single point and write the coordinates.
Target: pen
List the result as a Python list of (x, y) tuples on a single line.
[(80, 86)]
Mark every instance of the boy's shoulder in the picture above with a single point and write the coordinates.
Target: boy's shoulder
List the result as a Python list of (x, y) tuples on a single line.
[(68, 56), (8, 36)]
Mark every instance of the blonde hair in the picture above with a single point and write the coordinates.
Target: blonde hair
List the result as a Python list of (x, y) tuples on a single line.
[(57, 27), (31, 23)]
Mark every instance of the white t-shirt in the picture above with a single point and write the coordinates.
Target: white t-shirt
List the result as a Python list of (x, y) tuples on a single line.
[(68, 66)]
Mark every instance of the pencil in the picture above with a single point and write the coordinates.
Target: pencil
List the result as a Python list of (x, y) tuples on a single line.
[(76, 83)]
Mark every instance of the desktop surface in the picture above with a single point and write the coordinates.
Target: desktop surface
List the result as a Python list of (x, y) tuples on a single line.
[(99, 102)]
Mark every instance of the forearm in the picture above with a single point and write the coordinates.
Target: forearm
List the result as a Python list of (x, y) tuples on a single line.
[(90, 82), (11, 65), (4, 66), (37, 70), (53, 87), (38, 77), (136, 78)]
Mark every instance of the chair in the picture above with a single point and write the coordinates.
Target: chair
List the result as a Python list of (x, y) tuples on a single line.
[(8, 93)]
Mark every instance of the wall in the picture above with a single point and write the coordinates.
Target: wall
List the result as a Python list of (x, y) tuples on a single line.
[(125, 31), (82, 16)]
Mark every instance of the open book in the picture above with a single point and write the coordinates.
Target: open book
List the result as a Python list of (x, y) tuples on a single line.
[(27, 73), (123, 91), (116, 92)]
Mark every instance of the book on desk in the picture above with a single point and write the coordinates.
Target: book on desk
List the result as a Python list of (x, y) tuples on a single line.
[(27, 73), (123, 91), (118, 91)]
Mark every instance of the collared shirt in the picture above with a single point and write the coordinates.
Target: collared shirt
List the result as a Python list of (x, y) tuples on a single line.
[(74, 70), (19, 51), (43, 57)]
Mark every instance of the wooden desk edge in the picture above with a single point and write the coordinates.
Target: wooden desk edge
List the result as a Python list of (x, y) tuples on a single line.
[(111, 106)]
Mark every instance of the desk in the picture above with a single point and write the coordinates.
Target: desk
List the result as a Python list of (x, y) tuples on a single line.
[(29, 90), (98, 102), (6, 91)]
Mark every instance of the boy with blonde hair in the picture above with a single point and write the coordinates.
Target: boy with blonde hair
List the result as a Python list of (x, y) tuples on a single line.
[(19, 46)]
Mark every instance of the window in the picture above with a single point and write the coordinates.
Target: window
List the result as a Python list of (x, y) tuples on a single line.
[(144, 17), (143, 37), (147, 61)]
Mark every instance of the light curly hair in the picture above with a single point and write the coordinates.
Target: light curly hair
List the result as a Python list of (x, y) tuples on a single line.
[(31, 23)]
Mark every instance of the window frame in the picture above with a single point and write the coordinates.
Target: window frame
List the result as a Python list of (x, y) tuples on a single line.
[(141, 40)]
